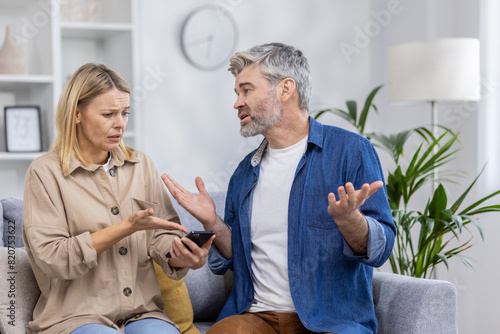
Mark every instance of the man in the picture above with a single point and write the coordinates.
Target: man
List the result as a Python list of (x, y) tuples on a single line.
[(299, 237)]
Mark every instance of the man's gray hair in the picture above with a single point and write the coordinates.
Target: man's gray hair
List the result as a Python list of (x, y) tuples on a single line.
[(277, 61)]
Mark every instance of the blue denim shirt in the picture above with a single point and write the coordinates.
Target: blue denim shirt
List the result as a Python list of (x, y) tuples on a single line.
[(331, 286)]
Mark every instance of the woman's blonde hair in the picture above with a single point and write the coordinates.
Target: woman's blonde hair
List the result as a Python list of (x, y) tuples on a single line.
[(88, 82)]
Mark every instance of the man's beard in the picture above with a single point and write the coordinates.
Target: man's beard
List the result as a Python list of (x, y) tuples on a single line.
[(267, 113)]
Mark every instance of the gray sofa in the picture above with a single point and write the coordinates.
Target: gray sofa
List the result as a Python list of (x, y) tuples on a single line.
[(402, 304)]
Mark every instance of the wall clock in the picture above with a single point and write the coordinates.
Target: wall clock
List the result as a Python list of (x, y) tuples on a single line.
[(209, 37)]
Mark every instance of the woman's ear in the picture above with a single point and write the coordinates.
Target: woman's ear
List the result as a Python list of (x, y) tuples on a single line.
[(78, 114)]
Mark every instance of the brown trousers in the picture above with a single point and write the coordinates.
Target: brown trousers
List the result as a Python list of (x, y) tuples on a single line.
[(260, 323)]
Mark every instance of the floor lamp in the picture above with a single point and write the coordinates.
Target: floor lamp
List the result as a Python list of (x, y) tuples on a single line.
[(443, 70)]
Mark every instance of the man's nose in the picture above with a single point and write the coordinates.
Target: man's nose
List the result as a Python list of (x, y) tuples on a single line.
[(239, 103)]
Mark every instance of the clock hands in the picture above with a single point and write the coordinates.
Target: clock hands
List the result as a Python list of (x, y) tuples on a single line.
[(209, 44), (200, 40), (208, 40), (208, 37)]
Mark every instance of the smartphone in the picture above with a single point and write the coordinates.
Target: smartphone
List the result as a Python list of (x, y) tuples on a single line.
[(198, 237)]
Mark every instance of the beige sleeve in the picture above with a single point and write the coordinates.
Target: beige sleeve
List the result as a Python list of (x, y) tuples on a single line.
[(46, 234)]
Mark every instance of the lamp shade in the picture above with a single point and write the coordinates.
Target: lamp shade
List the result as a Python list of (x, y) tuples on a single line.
[(439, 70)]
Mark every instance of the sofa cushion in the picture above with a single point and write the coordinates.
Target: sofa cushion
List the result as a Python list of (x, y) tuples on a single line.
[(177, 303), (19, 290), (12, 222)]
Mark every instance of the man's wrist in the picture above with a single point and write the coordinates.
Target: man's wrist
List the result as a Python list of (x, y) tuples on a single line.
[(210, 226), (356, 218)]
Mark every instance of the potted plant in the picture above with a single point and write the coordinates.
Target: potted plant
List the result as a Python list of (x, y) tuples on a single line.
[(433, 234)]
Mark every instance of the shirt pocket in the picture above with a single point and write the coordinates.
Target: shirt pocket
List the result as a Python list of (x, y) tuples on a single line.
[(316, 206), (138, 204), (141, 240)]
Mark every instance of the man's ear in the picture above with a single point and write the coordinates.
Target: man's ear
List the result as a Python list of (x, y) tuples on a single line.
[(287, 89)]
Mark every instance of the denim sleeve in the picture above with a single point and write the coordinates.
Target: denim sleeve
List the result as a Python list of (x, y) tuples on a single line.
[(376, 209), (217, 263), (376, 243)]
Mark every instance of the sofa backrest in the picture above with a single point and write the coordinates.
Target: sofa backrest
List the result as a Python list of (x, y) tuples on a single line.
[(12, 231), (19, 290)]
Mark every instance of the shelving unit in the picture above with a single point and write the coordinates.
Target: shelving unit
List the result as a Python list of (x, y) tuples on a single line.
[(20, 156), (54, 49)]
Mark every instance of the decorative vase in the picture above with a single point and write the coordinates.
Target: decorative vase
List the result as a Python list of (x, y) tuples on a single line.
[(11, 57)]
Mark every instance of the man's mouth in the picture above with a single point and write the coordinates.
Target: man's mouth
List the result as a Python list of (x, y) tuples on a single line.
[(243, 115)]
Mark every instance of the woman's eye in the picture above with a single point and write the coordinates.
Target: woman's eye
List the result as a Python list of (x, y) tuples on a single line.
[(108, 115), (125, 113)]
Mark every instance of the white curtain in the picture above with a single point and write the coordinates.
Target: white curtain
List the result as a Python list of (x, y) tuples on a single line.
[(489, 107)]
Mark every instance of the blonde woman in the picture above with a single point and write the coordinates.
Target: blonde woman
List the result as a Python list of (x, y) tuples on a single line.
[(96, 215)]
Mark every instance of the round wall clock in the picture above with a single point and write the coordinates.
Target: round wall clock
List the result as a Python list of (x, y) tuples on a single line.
[(209, 37)]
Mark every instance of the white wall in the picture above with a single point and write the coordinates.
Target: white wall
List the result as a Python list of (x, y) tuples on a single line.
[(191, 127)]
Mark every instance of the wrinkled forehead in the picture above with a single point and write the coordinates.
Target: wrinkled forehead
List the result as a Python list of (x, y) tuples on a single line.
[(251, 75)]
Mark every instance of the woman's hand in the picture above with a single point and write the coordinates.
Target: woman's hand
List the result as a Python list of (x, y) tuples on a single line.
[(137, 221), (144, 220), (182, 257)]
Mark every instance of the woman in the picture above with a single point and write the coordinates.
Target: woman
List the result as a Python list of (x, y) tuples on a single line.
[(96, 215)]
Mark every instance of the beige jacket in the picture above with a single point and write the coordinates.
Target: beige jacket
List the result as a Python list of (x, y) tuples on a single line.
[(78, 286)]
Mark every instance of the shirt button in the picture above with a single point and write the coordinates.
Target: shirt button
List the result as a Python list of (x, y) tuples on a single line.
[(127, 292), (254, 180), (112, 172), (123, 250), (120, 322), (115, 210), (249, 300)]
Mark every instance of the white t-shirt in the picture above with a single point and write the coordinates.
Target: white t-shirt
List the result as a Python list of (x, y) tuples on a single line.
[(269, 228), (106, 165)]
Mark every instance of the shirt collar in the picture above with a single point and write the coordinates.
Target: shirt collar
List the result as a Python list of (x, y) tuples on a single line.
[(117, 159), (315, 137)]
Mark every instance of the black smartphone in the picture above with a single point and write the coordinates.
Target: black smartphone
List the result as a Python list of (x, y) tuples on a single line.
[(198, 237)]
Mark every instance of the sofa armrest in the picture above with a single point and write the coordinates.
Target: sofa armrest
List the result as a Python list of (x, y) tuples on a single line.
[(414, 305), (19, 290)]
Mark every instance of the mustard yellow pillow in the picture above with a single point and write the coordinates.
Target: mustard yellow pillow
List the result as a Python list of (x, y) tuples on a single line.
[(177, 303)]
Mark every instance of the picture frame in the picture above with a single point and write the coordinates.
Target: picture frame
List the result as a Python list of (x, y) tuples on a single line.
[(22, 129)]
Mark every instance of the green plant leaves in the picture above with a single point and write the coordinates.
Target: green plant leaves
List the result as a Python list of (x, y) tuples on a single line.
[(351, 115), (424, 237)]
